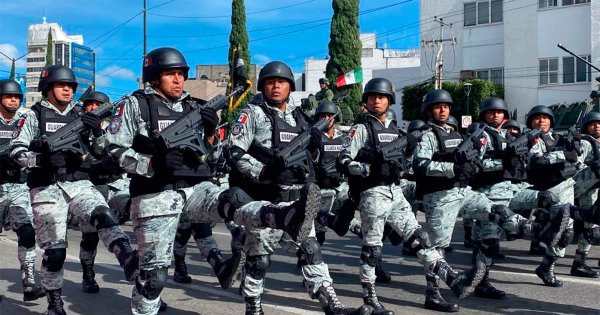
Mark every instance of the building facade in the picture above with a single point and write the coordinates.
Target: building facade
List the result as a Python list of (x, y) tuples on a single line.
[(68, 50), (514, 43)]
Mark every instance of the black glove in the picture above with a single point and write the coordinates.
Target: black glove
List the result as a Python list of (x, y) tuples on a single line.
[(55, 160), (92, 121), (273, 169), (464, 171), (570, 156), (411, 146), (210, 120), (171, 161)]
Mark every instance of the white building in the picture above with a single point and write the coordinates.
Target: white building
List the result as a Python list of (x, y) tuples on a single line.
[(513, 42), (373, 58), (37, 41)]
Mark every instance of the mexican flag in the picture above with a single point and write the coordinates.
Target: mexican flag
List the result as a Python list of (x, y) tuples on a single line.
[(352, 77)]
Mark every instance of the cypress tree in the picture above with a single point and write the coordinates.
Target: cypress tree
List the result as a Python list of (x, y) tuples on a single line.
[(49, 53), (345, 49)]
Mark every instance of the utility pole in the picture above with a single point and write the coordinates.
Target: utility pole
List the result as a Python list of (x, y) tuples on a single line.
[(141, 79), (14, 60), (439, 60)]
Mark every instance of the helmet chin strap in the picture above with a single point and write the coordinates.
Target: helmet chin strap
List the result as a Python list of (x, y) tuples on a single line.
[(274, 103), (10, 110)]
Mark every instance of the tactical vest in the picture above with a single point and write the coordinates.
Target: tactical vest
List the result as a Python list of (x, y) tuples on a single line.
[(499, 143), (330, 150), (379, 136), (283, 134), (515, 171), (10, 172), (158, 117), (447, 143), (545, 176), (49, 122)]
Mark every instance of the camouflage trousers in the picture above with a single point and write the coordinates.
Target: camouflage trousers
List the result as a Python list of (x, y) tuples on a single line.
[(15, 212), (58, 205), (586, 194), (331, 200), (382, 204), (204, 244), (260, 242), (442, 208)]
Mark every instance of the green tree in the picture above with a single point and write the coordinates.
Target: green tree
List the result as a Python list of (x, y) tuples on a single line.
[(412, 97), (238, 38), (345, 49), (49, 53)]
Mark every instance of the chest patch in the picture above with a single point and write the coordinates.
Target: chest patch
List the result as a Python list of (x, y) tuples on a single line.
[(452, 143), (387, 137), (162, 124), (287, 136), (5, 134), (332, 147), (53, 127)]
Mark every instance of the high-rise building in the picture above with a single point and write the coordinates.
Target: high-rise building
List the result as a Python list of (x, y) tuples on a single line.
[(68, 50)]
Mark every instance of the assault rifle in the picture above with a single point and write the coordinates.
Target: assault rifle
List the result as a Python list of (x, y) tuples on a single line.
[(68, 137), (572, 138), (468, 150), (294, 154), (520, 146)]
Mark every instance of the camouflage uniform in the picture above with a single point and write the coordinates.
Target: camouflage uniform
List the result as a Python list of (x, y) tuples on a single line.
[(61, 203), (15, 207), (254, 124), (324, 95)]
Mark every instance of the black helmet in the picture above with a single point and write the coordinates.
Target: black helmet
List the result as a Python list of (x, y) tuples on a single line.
[(161, 59), (452, 122), (97, 96), (55, 74), (326, 107), (587, 119), (435, 97), (324, 81), (511, 123), (379, 86), (540, 109), (493, 103), (415, 125), (275, 69), (10, 86), (391, 115)]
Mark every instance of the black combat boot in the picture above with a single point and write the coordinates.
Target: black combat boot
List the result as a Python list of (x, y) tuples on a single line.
[(31, 291), (163, 306), (55, 303), (181, 274), (546, 272), (89, 284), (486, 290), (468, 242), (127, 257), (580, 268), (370, 298), (434, 299), (298, 218), (253, 306), (320, 238), (461, 284), (381, 275), (226, 270), (332, 305)]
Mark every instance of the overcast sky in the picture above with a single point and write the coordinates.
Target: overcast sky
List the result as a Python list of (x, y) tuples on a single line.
[(287, 30)]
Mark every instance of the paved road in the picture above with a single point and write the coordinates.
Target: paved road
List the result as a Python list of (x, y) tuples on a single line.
[(405, 295)]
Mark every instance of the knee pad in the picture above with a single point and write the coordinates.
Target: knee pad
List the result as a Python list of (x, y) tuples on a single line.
[(310, 252), (183, 236), (566, 238), (151, 282), (103, 217), (423, 238), (256, 266), (54, 259), (546, 199), (89, 241), (201, 230), (230, 200), (370, 255), (26, 235), (592, 235)]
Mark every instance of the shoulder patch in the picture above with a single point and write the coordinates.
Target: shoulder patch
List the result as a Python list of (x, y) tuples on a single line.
[(242, 118), (119, 110), (115, 124), (236, 129)]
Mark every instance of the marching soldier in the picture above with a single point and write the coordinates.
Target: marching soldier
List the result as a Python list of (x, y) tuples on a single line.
[(15, 205)]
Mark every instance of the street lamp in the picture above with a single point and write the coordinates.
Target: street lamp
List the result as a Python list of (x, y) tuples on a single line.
[(467, 87)]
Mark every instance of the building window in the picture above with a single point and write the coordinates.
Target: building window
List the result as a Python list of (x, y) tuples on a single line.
[(494, 75), (570, 2), (367, 52), (36, 59), (35, 69), (482, 12), (548, 71), (575, 70), (542, 4)]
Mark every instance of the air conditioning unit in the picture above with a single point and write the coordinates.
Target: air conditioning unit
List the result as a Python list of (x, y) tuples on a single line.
[(467, 74)]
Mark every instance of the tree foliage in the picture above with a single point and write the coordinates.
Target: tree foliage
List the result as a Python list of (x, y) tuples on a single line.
[(345, 49), (412, 97), (49, 50)]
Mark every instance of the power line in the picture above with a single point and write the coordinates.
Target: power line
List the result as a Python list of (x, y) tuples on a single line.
[(228, 16)]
